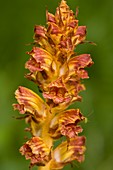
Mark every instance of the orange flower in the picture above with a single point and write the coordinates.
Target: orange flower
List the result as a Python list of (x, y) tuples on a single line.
[(30, 103), (42, 65), (34, 108), (66, 124), (68, 151), (57, 92), (37, 151)]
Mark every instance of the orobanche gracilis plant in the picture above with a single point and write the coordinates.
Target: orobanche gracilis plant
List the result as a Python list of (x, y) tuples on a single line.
[(57, 70)]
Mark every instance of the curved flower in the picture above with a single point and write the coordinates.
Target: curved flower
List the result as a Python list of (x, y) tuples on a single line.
[(40, 60), (60, 94), (57, 92), (80, 35), (31, 103), (42, 66), (68, 151), (77, 64), (66, 124), (41, 38), (37, 151)]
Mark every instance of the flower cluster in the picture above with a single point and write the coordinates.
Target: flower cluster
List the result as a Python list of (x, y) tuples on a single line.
[(57, 70)]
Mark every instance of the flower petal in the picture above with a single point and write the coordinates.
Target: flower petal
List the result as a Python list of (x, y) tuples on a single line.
[(41, 38), (80, 34)]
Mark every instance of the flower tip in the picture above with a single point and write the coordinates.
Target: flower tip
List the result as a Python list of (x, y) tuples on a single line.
[(85, 120)]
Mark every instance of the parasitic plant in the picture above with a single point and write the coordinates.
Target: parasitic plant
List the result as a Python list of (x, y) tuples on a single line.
[(57, 70)]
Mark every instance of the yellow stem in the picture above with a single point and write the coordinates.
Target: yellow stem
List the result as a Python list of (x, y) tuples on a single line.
[(46, 138), (45, 131)]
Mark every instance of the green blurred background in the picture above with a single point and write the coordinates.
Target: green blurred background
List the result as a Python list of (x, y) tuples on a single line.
[(17, 20)]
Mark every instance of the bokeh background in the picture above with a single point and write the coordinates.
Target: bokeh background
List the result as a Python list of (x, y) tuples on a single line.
[(17, 20)]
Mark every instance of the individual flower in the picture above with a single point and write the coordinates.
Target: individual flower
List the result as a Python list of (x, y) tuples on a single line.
[(33, 107), (68, 151), (57, 92), (66, 124), (42, 66), (37, 151), (30, 103), (77, 64)]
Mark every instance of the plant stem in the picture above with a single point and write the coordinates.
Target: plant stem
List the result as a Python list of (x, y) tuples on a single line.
[(47, 139), (45, 131)]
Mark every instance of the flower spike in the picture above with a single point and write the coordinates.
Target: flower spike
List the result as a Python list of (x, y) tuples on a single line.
[(58, 71)]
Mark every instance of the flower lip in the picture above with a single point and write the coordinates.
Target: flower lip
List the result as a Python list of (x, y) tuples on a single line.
[(37, 151), (41, 60), (40, 31), (66, 124), (68, 151), (56, 91)]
